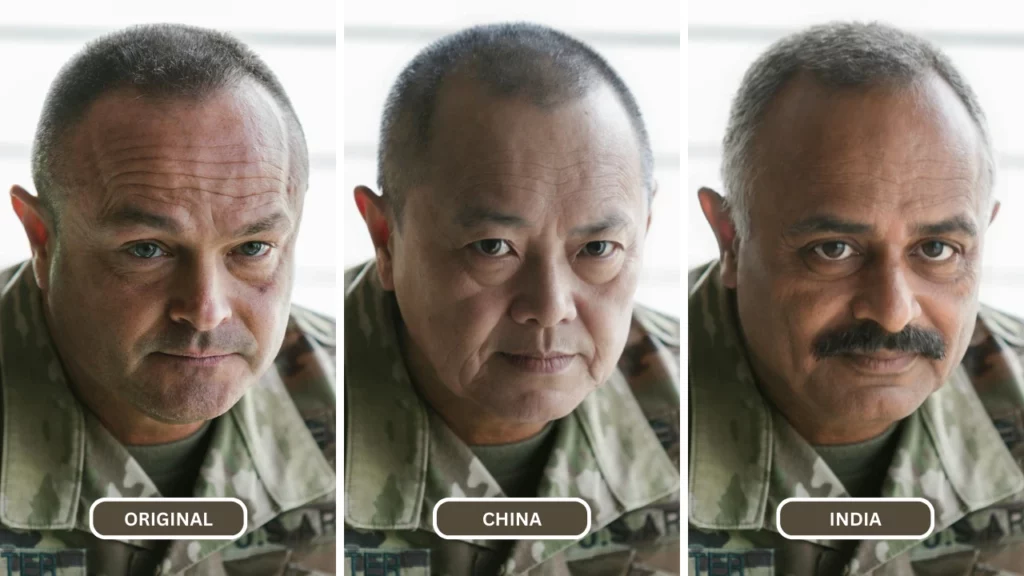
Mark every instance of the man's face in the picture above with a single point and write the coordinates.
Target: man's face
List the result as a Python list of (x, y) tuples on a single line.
[(867, 223), (170, 282), (515, 269)]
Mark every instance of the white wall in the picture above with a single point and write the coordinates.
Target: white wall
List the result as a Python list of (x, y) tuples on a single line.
[(297, 43), (639, 39), (985, 40)]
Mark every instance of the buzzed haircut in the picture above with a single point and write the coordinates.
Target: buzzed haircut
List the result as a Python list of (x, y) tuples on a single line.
[(522, 60), (841, 56), (158, 60)]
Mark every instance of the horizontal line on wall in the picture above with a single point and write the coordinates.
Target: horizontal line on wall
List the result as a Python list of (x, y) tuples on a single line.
[(426, 34), (706, 150), (364, 151), (313, 39), (971, 38), (317, 161)]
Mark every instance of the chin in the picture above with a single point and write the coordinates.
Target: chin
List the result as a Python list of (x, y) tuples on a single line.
[(189, 401), (535, 405)]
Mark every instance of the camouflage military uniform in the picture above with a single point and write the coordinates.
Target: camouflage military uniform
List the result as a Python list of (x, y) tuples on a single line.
[(619, 451), (962, 450), (274, 450)]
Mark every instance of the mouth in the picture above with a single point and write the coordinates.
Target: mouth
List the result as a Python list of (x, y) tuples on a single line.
[(552, 363), (882, 363), (195, 358)]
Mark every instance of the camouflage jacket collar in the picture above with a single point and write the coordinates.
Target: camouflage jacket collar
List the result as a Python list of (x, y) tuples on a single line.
[(64, 459), (401, 458), (745, 458)]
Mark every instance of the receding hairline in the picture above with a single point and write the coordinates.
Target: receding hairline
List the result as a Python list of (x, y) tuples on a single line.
[(65, 172), (928, 87)]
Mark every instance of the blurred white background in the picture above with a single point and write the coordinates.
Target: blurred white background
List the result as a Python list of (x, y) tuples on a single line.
[(297, 40), (640, 39), (985, 40)]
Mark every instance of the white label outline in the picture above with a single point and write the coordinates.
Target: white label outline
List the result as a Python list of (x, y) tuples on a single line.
[(931, 527), (245, 519), (513, 537)]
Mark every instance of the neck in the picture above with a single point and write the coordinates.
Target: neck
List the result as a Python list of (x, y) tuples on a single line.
[(471, 422)]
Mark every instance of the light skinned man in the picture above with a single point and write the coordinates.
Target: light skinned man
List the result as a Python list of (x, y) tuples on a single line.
[(149, 347)]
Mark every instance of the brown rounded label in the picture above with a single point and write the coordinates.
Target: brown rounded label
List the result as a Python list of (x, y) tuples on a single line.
[(168, 518), (512, 518), (855, 518)]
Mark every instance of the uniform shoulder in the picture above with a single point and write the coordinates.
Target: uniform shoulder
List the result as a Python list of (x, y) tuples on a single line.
[(1005, 326), (658, 325), (315, 325)]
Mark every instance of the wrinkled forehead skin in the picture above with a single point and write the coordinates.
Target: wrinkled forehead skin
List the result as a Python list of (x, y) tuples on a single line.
[(228, 150), (905, 147), (485, 145)]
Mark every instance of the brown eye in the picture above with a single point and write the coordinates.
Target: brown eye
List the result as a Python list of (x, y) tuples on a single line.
[(492, 247), (937, 251), (834, 251)]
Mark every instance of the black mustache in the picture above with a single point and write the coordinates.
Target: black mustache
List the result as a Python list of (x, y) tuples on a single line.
[(869, 337)]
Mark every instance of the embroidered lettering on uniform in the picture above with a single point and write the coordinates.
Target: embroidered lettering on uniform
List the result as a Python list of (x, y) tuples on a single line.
[(322, 430), (368, 562), (665, 432), (42, 562), (705, 562), (1009, 428)]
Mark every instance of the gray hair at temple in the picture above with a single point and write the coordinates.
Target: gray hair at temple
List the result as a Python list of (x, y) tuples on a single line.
[(158, 60), (838, 55), (512, 60)]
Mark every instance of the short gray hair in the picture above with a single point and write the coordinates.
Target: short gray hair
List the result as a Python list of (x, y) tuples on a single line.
[(525, 60), (163, 60), (838, 55)]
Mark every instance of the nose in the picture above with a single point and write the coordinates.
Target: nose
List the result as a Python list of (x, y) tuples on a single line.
[(886, 297), (200, 298), (546, 295)]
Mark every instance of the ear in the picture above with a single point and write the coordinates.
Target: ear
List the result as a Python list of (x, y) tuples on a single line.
[(718, 216), (374, 211), (995, 211), (36, 222)]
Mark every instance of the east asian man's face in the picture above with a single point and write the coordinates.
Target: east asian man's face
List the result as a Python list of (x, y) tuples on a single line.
[(515, 268), (170, 283), (857, 289)]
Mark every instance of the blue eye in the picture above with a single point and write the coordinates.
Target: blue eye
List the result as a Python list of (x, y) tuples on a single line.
[(598, 248), (493, 247), (254, 249), (146, 250)]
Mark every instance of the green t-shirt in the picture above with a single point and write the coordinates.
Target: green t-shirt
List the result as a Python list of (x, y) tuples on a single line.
[(518, 466), (862, 467), (173, 467)]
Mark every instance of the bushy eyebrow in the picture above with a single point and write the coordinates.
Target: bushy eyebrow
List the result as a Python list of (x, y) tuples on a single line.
[(827, 223), (832, 224)]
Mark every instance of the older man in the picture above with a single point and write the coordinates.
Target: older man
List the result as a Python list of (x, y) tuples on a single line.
[(493, 347), (149, 348), (837, 346)]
